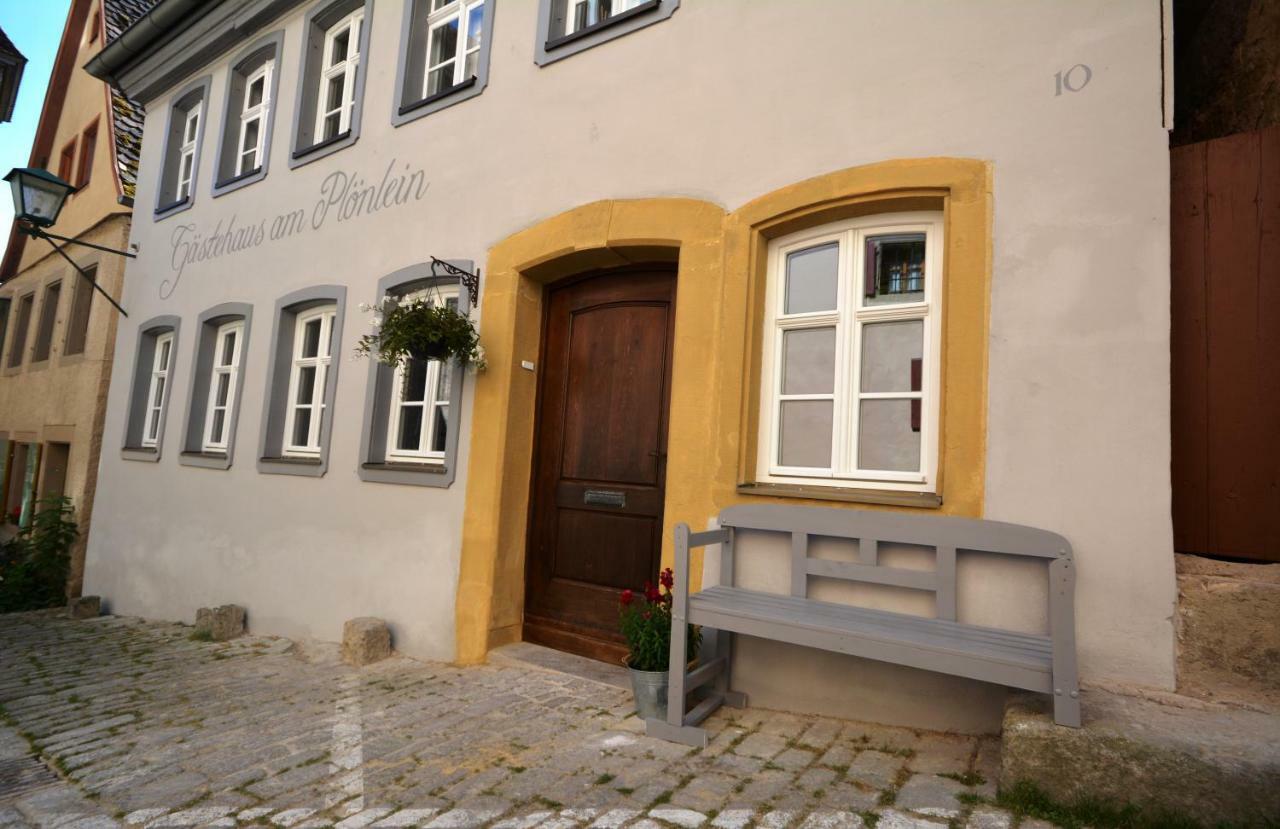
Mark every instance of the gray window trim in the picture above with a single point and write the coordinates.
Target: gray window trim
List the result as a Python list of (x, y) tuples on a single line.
[(372, 465), (224, 177), (140, 386), (407, 106), (207, 324), (271, 459), (303, 149), (548, 51), (165, 205)]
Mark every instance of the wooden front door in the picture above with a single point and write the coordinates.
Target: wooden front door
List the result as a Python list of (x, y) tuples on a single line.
[(595, 524)]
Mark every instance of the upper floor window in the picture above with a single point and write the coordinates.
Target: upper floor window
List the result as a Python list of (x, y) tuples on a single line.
[(850, 384), (21, 323), (222, 385), (444, 54), (308, 380), (88, 144), (252, 115), (158, 388), (181, 161), (81, 306), (330, 92), (453, 49), (48, 317), (566, 27), (67, 162), (4, 320), (338, 78), (245, 144)]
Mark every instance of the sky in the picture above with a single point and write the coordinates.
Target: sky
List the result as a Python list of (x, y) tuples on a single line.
[(35, 27)]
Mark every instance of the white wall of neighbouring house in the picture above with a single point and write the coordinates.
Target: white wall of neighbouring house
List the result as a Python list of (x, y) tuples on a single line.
[(722, 102)]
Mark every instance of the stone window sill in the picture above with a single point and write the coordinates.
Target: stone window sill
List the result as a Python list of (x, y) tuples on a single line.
[(920, 500)]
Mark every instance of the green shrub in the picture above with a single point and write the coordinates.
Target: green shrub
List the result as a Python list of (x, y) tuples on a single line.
[(34, 564)]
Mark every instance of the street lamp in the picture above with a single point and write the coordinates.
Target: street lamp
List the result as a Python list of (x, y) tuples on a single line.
[(38, 196)]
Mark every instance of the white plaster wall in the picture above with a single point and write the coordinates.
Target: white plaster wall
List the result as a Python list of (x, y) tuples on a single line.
[(725, 101)]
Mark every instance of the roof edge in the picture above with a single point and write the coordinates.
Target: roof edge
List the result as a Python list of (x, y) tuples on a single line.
[(164, 19)]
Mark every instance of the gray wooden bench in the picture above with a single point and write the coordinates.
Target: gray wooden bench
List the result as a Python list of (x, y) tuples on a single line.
[(943, 644)]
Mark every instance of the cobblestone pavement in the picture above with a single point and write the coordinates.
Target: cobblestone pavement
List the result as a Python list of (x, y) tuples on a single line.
[(145, 726)]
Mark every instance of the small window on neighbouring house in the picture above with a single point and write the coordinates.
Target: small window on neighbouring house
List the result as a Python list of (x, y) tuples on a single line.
[(181, 162), (5, 302), (67, 162), (222, 385), (21, 323), (308, 380), (850, 389), (95, 25), (48, 318), (157, 388), (81, 305), (341, 61), (88, 145)]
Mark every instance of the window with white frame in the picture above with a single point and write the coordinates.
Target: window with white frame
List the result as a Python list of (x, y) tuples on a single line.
[(312, 351), (454, 32), (584, 13), (222, 385), (158, 389), (253, 119), (420, 391), (187, 152), (340, 61), (850, 382)]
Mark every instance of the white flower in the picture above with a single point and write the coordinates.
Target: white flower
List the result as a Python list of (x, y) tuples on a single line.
[(366, 307)]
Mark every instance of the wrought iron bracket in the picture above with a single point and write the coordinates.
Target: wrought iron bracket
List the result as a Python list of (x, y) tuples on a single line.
[(471, 281)]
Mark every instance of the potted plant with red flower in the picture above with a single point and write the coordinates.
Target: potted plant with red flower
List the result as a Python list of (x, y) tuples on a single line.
[(645, 619)]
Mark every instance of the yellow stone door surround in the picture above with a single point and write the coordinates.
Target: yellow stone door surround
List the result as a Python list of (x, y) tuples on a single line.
[(720, 279)]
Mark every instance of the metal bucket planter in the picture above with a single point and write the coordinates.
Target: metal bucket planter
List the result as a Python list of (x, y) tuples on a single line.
[(650, 689)]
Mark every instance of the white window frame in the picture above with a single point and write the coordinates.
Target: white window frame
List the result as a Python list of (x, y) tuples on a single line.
[(593, 12), (326, 314), (849, 319), (352, 24), (217, 370), (187, 151), (159, 375), (250, 114), (431, 402), (441, 15)]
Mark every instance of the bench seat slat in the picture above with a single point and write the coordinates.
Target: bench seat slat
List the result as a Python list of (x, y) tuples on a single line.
[(1022, 661), (869, 619)]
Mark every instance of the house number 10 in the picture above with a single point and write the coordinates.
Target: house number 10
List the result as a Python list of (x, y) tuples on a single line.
[(1074, 79)]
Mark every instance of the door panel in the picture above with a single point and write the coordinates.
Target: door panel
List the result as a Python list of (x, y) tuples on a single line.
[(600, 456)]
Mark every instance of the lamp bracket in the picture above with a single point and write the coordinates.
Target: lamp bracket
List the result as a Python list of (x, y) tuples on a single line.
[(471, 281)]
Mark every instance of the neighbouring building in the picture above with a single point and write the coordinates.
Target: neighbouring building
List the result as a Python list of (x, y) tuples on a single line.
[(918, 260), (57, 334)]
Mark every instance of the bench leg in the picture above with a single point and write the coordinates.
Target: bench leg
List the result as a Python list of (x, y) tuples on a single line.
[(724, 646), (690, 735), (1066, 710)]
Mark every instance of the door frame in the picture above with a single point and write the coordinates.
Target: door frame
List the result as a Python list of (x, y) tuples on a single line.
[(559, 634)]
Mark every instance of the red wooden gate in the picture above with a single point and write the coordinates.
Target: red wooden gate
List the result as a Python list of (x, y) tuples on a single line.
[(1225, 222)]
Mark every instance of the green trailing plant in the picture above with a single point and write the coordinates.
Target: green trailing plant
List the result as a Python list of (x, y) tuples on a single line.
[(34, 563), (420, 329), (645, 619)]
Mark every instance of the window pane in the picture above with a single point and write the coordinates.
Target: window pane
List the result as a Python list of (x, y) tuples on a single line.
[(159, 396), (219, 418), (444, 381), (190, 128), (328, 340), (164, 355), (885, 437), (441, 429), (440, 79), (153, 430), (250, 135), (804, 434), (895, 269), (444, 43), (341, 44), (228, 349), (185, 175), (337, 85), (306, 384), (311, 338), (223, 389), (415, 380), (809, 361), (811, 279), (410, 434), (888, 349), (331, 125), (301, 427), (475, 17), (254, 95)]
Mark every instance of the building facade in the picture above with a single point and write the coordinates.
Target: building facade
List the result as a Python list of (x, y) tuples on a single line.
[(707, 276), (56, 332)]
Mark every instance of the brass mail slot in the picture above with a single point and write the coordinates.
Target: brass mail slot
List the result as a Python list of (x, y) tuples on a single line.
[(604, 498)]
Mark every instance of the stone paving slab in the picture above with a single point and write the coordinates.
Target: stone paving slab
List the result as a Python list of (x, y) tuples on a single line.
[(144, 727)]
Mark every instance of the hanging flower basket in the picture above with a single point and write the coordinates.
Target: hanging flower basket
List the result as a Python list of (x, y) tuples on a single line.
[(420, 330)]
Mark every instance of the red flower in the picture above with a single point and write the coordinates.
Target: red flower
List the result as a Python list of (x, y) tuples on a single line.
[(627, 597), (651, 593), (667, 578)]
